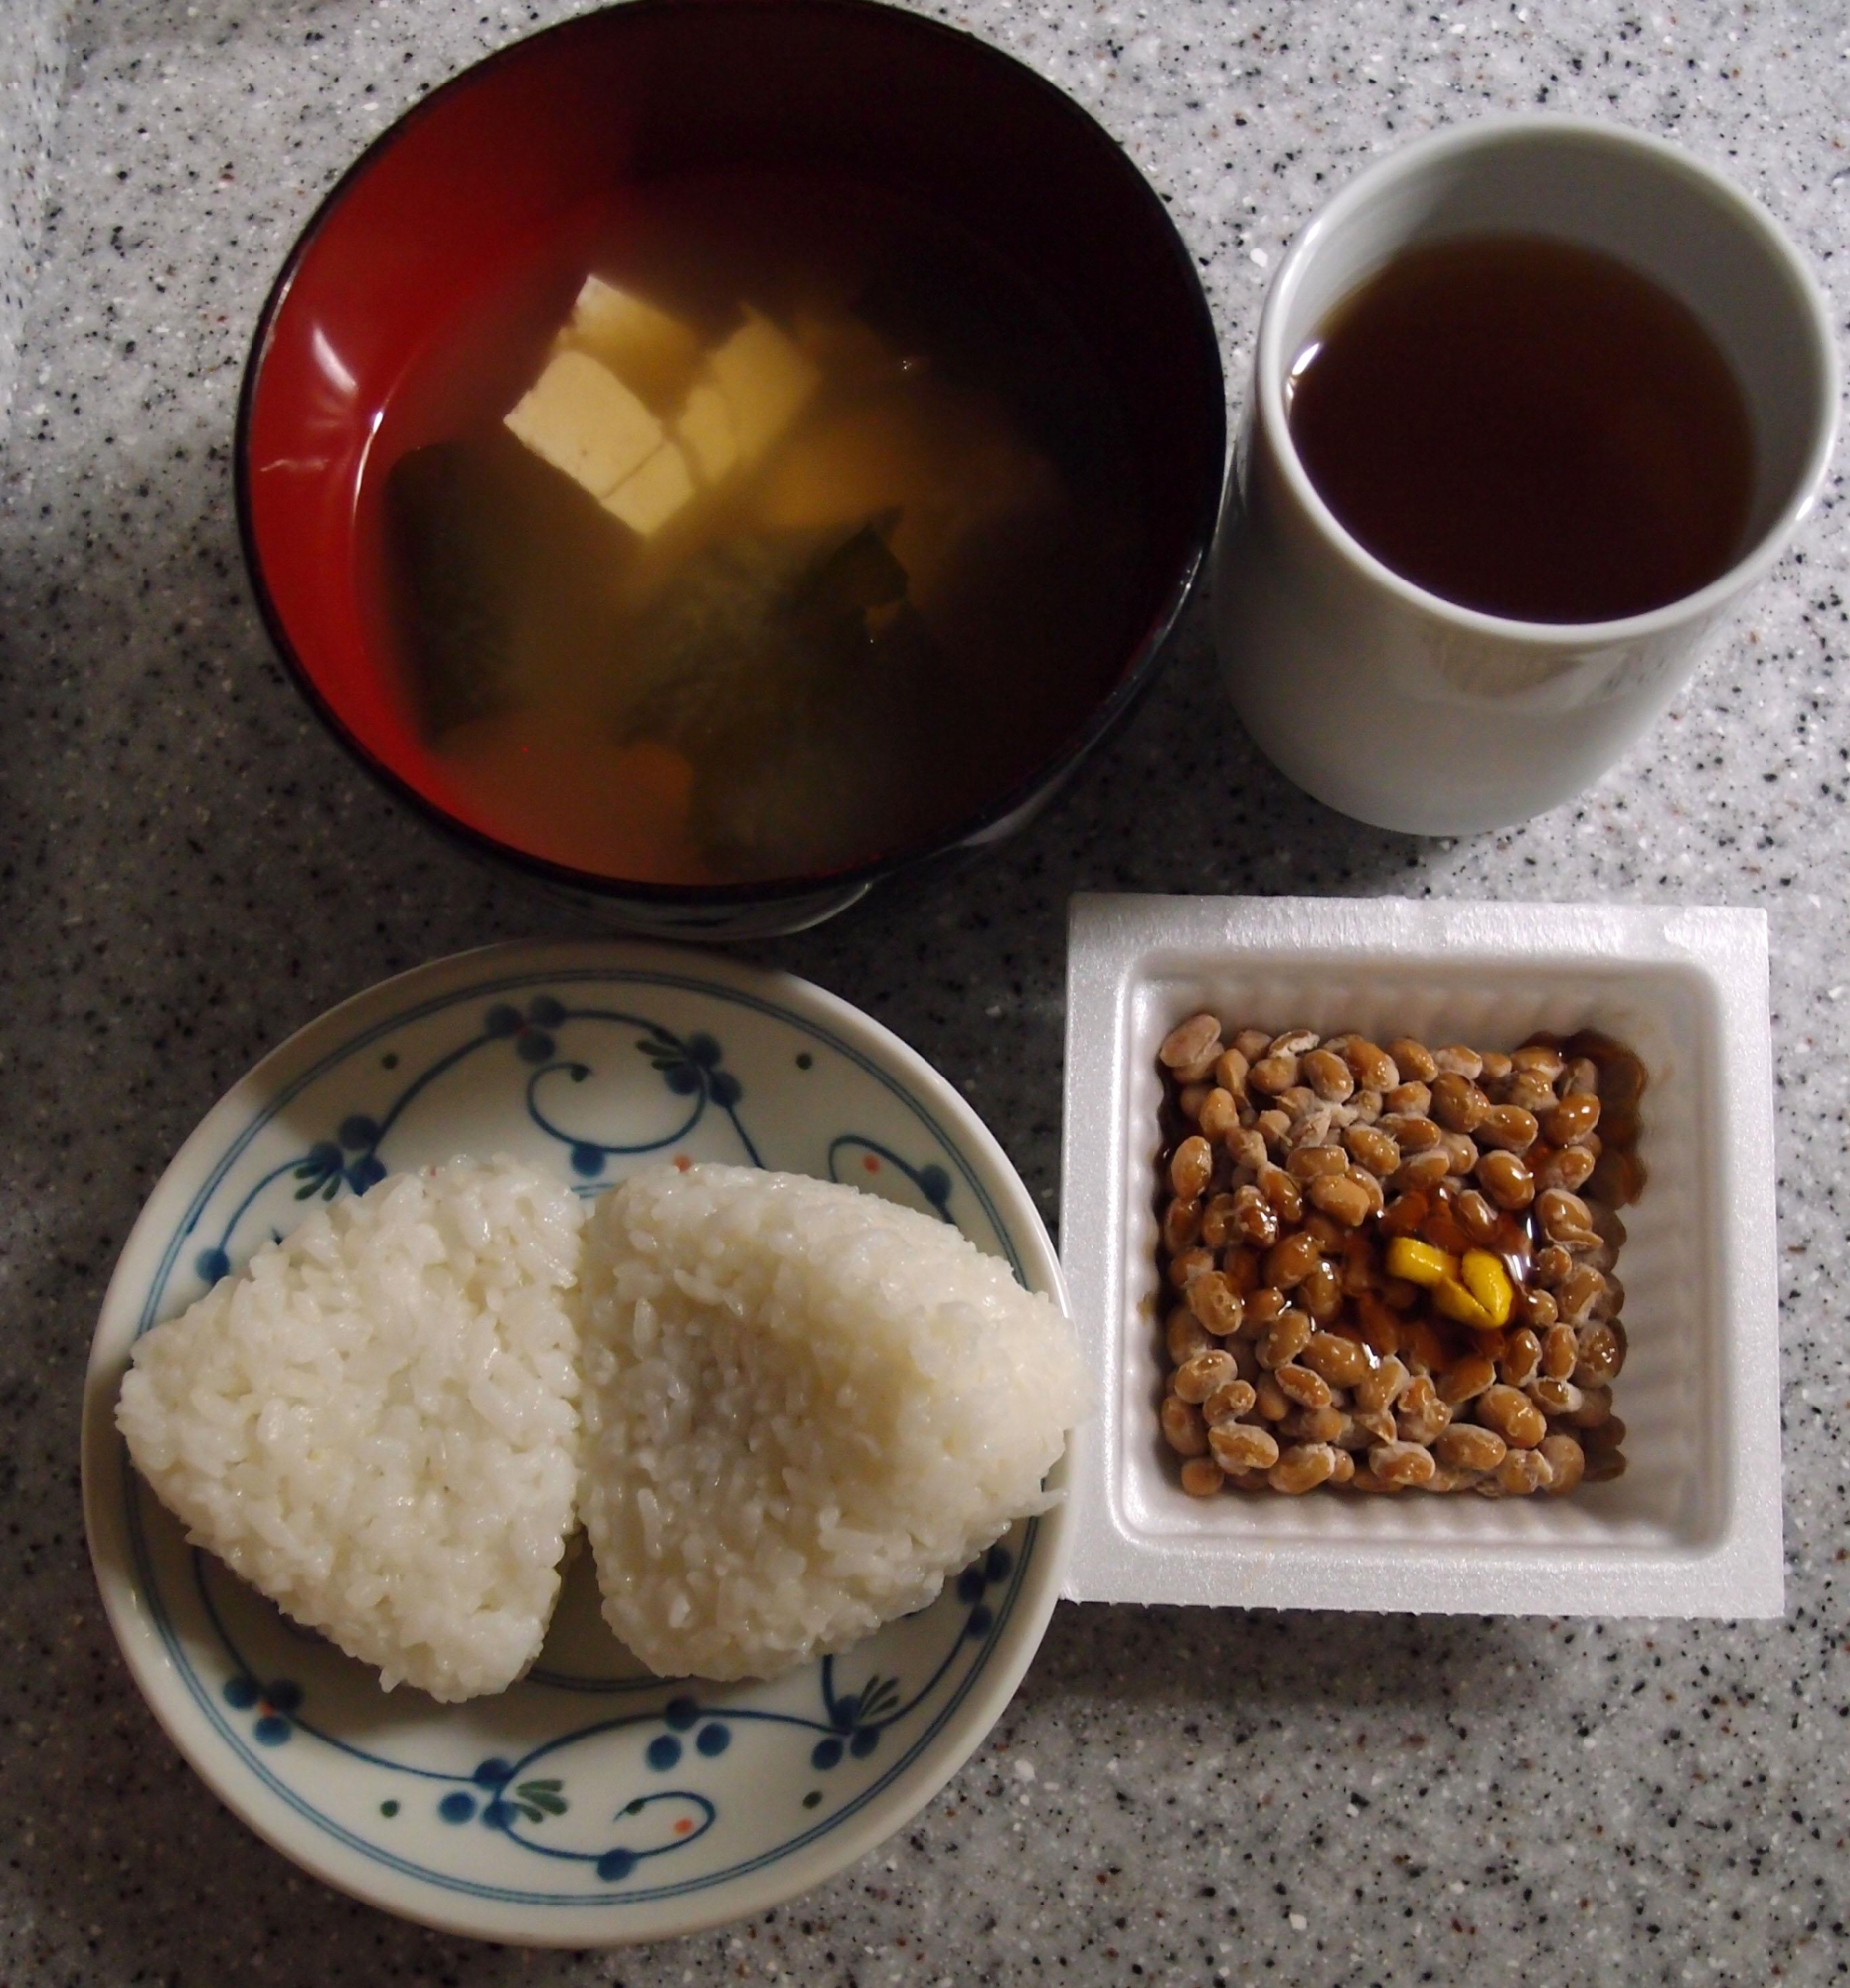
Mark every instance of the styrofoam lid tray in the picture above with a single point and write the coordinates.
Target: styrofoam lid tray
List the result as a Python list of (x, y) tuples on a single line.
[(1693, 1526)]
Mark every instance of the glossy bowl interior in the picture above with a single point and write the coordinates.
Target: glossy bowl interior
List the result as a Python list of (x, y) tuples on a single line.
[(446, 208)]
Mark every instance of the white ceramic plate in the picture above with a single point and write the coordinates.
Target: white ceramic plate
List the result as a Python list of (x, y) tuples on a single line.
[(592, 1803)]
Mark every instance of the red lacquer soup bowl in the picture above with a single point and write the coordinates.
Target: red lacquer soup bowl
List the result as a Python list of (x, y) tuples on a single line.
[(443, 213)]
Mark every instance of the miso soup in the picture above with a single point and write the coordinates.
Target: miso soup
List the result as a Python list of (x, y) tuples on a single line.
[(771, 526)]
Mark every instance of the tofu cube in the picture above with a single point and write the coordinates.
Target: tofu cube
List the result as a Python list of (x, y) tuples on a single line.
[(766, 381), (582, 419), (849, 351), (660, 488), (648, 350), (947, 472), (706, 432)]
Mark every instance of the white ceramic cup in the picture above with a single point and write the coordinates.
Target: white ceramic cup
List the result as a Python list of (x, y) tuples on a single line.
[(1396, 705)]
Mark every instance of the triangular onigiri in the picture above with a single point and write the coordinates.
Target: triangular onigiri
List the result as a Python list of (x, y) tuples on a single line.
[(375, 1423), (804, 1409)]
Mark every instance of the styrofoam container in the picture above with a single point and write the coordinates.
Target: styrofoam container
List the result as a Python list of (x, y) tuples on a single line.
[(1693, 1526)]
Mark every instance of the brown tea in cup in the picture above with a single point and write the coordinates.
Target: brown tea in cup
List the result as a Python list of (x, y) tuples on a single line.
[(1527, 428)]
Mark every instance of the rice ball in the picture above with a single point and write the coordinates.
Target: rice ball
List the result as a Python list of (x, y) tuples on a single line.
[(376, 1422), (804, 1407)]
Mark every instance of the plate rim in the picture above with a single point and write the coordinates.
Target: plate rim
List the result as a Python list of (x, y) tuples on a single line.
[(106, 1487)]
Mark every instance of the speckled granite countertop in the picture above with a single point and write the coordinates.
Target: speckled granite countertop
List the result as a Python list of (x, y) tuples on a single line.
[(191, 869)]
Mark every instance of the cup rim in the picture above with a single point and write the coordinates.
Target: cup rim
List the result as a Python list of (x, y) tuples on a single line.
[(1142, 660), (1271, 362)]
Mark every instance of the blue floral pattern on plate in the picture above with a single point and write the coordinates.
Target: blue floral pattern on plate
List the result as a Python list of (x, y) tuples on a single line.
[(593, 1801)]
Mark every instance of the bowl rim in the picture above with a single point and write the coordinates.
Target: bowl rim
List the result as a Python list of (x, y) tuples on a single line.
[(1145, 658), (722, 1902)]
